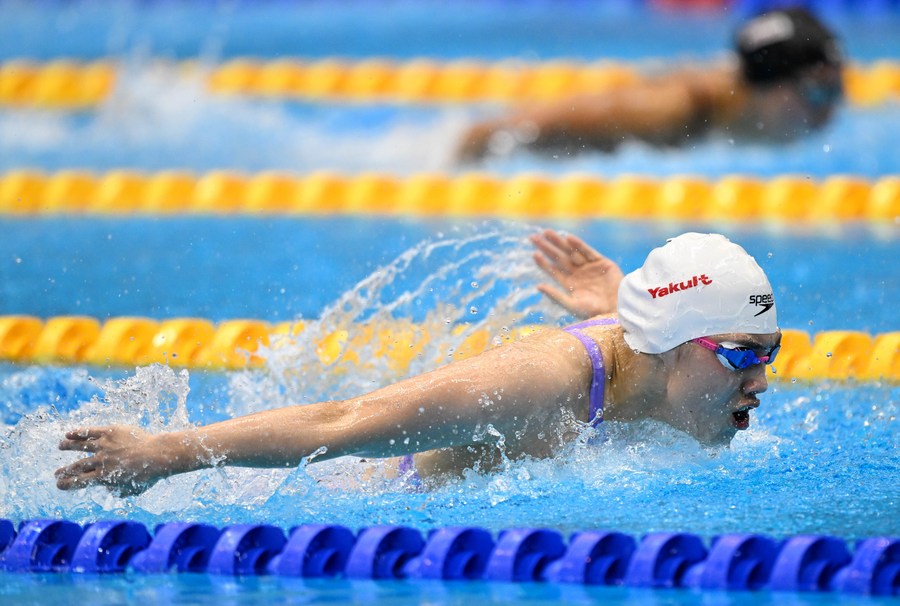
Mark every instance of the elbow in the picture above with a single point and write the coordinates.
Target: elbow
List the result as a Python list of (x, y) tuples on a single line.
[(353, 428)]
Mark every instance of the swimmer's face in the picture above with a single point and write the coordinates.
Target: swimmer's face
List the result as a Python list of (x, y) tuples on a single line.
[(805, 103), (708, 400), (821, 89)]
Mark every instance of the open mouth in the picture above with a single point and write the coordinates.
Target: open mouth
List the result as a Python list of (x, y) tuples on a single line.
[(741, 418)]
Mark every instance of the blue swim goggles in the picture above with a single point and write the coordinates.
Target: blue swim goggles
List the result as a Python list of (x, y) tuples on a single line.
[(736, 357), (821, 94)]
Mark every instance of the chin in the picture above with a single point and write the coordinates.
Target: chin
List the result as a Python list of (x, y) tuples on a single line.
[(718, 440)]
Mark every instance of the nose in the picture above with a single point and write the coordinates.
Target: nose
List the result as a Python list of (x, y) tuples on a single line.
[(755, 380)]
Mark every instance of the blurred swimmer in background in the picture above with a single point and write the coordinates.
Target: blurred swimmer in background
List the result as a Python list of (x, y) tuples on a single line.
[(783, 83), (683, 340)]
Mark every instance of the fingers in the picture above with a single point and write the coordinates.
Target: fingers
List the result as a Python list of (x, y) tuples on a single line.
[(556, 294), (551, 269), (551, 244), (85, 465), (80, 445), (568, 252), (81, 473), (586, 250), (87, 471), (76, 482), (88, 433), (84, 439), (100, 468)]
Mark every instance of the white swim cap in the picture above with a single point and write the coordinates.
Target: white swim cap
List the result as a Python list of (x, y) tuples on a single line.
[(694, 286)]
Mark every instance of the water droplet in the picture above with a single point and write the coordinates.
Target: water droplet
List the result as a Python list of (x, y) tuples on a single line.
[(474, 284), (826, 148), (828, 355), (473, 310)]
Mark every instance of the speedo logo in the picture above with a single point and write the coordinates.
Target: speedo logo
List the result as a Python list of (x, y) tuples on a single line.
[(764, 301), (662, 291)]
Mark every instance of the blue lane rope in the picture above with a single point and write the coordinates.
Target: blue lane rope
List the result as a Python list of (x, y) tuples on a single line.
[(732, 562)]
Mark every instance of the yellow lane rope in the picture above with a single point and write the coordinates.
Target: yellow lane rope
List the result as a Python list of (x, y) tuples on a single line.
[(72, 85), (233, 344), (787, 198)]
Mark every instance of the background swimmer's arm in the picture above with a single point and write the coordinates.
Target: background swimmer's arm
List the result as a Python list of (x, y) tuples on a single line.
[(589, 281), (446, 407), (651, 110)]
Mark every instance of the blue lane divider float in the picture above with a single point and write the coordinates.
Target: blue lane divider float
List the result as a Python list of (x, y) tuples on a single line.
[(178, 547), (733, 562), (314, 551), (109, 546), (874, 7)]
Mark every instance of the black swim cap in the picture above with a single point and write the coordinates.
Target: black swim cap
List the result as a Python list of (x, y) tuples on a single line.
[(778, 44)]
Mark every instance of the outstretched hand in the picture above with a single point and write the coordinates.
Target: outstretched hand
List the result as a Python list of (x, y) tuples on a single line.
[(589, 281), (124, 459)]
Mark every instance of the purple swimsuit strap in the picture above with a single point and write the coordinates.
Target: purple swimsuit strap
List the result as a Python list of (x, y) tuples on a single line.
[(407, 469), (598, 380)]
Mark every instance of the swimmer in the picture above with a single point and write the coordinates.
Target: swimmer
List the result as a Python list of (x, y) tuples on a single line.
[(783, 83), (695, 327)]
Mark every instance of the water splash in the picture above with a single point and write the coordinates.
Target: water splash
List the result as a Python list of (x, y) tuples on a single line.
[(22, 390), (403, 319), (154, 397), (161, 116)]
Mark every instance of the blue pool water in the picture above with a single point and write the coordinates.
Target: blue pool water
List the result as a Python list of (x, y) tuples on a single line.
[(535, 29), (820, 458), (202, 589)]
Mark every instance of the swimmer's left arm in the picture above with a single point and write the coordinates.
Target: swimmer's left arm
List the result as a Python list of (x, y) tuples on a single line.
[(502, 387)]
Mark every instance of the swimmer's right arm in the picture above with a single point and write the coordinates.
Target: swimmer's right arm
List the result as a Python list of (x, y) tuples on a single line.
[(656, 109), (588, 281), (502, 387)]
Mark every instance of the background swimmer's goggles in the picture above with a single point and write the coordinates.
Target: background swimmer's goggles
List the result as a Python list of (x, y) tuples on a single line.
[(735, 357), (820, 94)]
